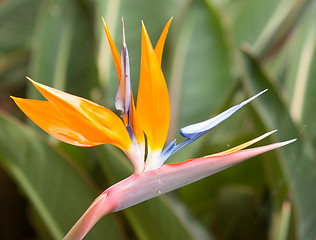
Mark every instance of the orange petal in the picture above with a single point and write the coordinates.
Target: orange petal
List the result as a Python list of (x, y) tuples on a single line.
[(153, 106), (136, 125), (242, 146), (96, 123), (158, 52), (45, 115), (161, 42), (115, 53)]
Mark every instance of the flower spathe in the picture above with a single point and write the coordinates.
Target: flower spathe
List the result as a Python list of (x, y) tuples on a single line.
[(80, 122)]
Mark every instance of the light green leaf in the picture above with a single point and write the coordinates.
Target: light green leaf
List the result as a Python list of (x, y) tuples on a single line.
[(201, 72), (280, 26), (254, 17)]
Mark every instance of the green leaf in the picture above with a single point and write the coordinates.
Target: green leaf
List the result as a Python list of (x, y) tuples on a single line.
[(299, 70), (298, 160), (16, 24), (17, 21), (281, 228), (63, 49), (236, 214), (253, 17), (280, 26), (58, 190), (201, 75)]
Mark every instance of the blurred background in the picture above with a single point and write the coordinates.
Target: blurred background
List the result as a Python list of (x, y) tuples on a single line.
[(217, 54)]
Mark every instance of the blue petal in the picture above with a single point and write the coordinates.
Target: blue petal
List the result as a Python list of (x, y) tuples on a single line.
[(186, 142), (195, 131), (166, 152), (191, 130), (131, 133)]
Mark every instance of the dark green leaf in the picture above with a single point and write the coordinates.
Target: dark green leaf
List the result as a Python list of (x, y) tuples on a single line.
[(59, 191)]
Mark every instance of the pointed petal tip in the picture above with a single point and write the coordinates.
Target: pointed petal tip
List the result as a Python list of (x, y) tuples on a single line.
[(244, 145), (169, 21), (288, 142), (30, 79), (115, 53), (282, 144), (123, 34), (268, 134), (105, 26), (144, 28), (203, 127), (103, 21), (271, 132), (253, 97), (161, 41), (16, 99)]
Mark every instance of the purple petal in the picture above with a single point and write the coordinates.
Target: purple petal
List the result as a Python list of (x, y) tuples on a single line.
[(123, 96), (166, 152)]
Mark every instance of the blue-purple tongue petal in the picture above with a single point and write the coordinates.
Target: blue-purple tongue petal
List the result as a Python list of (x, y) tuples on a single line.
[(123, 96), (166, 152), (197, 128)]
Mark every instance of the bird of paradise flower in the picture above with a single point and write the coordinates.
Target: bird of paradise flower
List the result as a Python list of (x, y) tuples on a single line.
[(80, 122)]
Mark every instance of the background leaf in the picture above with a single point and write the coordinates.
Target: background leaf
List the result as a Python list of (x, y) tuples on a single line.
[(300, 163), (50, 180), (62, 44), (63, 28)]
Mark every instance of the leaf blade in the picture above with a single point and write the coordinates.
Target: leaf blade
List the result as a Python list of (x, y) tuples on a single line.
[(49, 180)]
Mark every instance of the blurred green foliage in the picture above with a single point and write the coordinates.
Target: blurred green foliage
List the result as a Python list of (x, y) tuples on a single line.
[(217, 54)]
